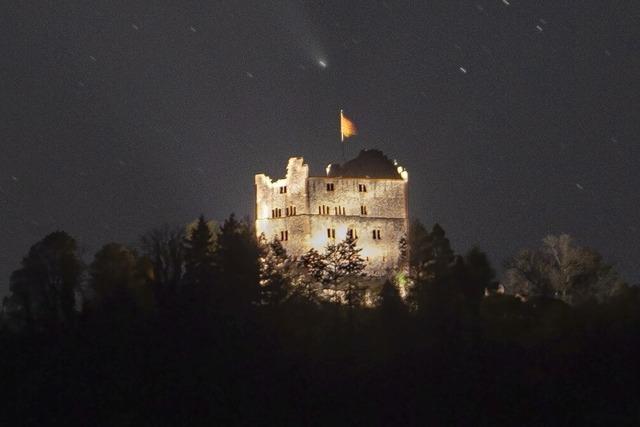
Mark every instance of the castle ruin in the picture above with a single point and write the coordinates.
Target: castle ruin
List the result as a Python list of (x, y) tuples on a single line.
[(365, 197)]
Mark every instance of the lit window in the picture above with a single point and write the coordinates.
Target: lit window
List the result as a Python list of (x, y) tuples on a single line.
[(331, 233), (330, 186), (363, 210), (362, 188)]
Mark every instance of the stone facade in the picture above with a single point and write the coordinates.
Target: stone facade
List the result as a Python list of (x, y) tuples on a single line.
[(307, 212)]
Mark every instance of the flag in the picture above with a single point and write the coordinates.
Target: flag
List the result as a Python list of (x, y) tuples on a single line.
[(347, 127)]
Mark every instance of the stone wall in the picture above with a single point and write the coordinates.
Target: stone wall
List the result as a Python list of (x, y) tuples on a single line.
[(364, 205)]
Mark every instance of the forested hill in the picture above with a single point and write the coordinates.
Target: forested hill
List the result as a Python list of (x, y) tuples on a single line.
[(208, 324)]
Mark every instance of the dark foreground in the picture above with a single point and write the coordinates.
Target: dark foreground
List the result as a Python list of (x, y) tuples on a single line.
[(541, 363)]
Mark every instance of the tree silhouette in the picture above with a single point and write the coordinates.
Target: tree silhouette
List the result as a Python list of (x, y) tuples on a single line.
[(560, 269), (237, 260), (44, 289), (430, 252), (199, 259), (435, 268), (390, 302), (164, 247), (479, 274), (120, 281)]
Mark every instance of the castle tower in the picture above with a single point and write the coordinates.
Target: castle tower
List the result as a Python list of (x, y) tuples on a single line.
[(367, 196)]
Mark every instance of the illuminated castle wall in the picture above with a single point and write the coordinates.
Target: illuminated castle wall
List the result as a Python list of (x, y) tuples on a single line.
[(310, 211)]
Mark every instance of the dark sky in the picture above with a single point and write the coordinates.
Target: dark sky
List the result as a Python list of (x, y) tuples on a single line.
[(514, 118)]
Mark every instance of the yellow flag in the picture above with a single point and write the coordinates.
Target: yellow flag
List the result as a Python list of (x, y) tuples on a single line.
[(347, 127)]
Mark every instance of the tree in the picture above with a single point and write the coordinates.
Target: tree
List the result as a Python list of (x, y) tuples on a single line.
[(340, 263), (199, 258), (44, 289), (119, 280), (560, 269), (429, 252), (419, 242), (164, 247), (314, 263), (237, 261), (347, 260), (273, 270), (479, 274), (432, 266), (403, 250), (391, 317), (390, 302)]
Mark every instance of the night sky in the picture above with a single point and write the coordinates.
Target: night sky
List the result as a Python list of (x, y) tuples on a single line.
[(515, 119)]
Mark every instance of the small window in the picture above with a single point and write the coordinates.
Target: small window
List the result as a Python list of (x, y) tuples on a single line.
[(273, 213), (376, 235), (330, 186), (294, 211), (362, 188), (284, 235), (331, 233), (352, 233), (335, 210), (363, 210), (283, 189), (286, 211)]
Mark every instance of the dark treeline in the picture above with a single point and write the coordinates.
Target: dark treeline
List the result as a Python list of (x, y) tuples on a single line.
[(207, 324)]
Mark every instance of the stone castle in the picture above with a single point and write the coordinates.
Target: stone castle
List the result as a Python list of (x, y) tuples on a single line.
[(366, 198)]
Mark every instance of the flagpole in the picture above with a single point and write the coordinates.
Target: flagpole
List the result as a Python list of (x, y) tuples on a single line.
[(341, 135)]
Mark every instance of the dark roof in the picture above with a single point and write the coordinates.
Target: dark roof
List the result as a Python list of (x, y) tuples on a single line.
[(368, 164)]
